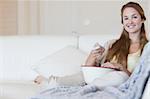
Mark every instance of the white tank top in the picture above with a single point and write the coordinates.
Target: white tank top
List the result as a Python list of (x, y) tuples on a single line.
[(133, 60)]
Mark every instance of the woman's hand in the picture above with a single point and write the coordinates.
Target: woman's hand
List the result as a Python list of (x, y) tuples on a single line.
[(39, 79), (112, 65), (94, 56), (116, 66)]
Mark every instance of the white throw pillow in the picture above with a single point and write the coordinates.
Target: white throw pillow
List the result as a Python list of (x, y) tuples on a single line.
[(64, 62)]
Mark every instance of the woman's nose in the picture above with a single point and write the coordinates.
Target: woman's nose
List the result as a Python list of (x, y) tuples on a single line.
[(130, 21)]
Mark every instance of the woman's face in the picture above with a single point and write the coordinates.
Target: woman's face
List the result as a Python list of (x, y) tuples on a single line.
[(132, 21)]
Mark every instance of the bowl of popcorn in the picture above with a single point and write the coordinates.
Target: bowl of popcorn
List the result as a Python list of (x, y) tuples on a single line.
[(90, 73)]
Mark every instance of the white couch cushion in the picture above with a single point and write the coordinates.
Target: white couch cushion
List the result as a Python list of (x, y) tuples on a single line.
[(18, 53), (64, 62)]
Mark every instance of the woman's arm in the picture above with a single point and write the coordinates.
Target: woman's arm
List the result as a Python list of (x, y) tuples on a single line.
[(94, 56), (98, 56)]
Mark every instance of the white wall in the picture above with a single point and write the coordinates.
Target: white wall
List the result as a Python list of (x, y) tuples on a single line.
[(55, 17), (28, 17), (51, 17), (64, 16)]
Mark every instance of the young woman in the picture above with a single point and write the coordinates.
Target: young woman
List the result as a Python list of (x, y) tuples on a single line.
[(123, 53)]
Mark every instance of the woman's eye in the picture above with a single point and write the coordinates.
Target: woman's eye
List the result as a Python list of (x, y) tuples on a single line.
[(135, 17), (126, 18)]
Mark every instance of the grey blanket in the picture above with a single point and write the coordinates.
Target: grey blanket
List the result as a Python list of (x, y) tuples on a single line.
[(133, 88)]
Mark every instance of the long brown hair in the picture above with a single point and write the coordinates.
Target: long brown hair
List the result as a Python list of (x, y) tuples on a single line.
[(120, 49)]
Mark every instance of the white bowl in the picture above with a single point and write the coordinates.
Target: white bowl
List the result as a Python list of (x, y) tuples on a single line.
[(91, 73)]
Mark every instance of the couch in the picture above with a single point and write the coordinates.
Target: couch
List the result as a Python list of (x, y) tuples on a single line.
[(20, 53)]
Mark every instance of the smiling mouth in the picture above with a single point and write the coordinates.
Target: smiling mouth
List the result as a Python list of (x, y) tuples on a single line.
[(131, 26)]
